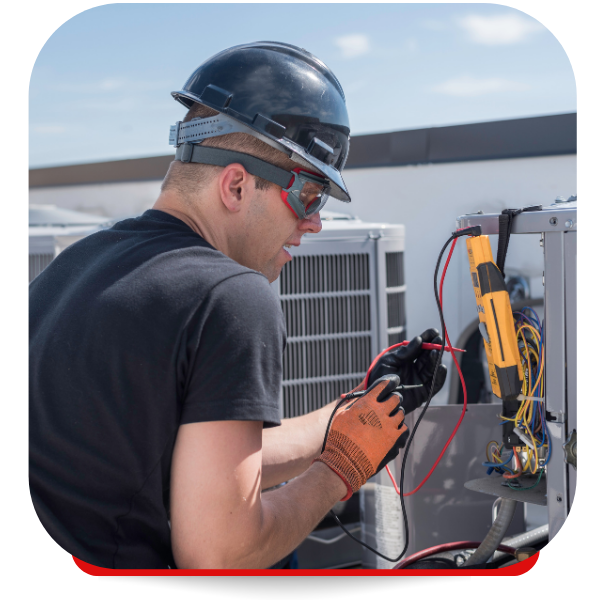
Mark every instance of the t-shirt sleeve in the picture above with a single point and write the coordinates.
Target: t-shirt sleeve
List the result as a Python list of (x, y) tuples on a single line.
[(236, 371)]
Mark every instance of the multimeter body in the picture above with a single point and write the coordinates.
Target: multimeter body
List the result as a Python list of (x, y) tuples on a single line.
[(495, 320)]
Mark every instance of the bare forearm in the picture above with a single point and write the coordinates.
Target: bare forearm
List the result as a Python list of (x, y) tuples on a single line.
[(290, 513), (289, 450), (220, 519)]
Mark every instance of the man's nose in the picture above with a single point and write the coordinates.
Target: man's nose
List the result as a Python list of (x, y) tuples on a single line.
[(311, 224)]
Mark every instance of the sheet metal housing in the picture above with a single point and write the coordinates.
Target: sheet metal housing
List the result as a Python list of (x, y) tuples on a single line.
[(557, 226)]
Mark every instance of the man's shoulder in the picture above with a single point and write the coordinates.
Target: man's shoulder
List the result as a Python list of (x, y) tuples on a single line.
[(154, 247)]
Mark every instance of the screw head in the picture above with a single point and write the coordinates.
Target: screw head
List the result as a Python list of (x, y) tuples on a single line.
[(559, 498), (553, 221), (568, 223)]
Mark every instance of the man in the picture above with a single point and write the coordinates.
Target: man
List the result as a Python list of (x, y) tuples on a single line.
[(156, 345)]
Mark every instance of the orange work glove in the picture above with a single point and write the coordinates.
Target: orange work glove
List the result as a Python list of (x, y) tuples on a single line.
[(365, 434)]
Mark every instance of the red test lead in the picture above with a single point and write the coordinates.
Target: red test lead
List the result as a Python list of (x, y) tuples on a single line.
[(428, 346), (425, 346)]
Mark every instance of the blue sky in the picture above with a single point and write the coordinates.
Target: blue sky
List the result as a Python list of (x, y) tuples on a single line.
[(100, 88)]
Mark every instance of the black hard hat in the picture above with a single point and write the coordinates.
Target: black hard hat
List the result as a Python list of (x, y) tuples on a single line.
[(285, 95)]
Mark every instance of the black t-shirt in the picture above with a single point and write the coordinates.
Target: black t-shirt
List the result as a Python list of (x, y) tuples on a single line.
[(134, 331)]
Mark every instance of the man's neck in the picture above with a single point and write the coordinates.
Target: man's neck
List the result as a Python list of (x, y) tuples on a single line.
[(171, 204)]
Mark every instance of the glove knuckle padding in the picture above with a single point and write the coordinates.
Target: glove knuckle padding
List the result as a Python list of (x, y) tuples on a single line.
[(431, 335), (414, 366)]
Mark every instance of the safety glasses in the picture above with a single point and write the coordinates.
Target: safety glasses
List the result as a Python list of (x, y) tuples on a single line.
[(306, 193)]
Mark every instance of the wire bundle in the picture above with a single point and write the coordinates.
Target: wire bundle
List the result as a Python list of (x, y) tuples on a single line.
[(529, 421)]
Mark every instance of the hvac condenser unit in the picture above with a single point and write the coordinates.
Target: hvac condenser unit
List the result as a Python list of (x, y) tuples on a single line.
[(556, 228), (343, 298), (52, 229)]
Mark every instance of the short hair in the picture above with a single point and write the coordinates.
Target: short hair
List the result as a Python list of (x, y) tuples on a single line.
[(186, 177)]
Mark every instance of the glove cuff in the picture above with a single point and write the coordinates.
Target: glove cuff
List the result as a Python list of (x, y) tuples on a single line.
[(350, 463)]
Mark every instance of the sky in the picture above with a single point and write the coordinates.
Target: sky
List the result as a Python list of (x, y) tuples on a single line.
[(100, 88)]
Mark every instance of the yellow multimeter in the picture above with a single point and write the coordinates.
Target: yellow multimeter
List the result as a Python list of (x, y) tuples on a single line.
[(495, 320)]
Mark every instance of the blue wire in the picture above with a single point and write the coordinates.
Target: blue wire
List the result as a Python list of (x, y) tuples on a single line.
[(543, 423), (544, 428), (525, 317), (488, 464), (534, 315)]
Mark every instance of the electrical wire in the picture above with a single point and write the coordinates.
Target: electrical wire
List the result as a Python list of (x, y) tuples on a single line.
[(534, 314), (400, 489), (464, 386), (337, 538), (497, 464), (529, 420), (487, 449), (519, 467), (522, 489), (524, 317), (445, 548)]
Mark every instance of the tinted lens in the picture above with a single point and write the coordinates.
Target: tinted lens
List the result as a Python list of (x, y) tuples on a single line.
[(306, 194), (313, 196)]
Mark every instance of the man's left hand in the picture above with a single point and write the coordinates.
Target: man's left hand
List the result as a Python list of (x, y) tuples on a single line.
[(414, 366)]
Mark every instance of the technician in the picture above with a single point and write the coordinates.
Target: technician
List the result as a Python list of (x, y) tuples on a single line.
[(156, 345)]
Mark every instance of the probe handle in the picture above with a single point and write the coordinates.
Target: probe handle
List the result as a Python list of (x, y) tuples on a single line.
[(352, 395), (428, 346)]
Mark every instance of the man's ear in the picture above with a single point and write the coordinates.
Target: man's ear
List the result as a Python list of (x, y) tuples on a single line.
[(234, 186)]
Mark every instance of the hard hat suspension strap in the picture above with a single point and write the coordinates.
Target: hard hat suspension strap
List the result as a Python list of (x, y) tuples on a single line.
[(221, 158)]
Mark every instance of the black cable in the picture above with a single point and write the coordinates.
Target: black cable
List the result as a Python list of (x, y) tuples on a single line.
[(463, 232)]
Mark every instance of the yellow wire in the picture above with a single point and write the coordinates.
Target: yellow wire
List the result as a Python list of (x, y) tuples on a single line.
[(528, 459), (525, 412), (487, 450), (529, 410), (520, 331), (537, 338), (522, 408), (536, 333), (540, 374), (534, 446)]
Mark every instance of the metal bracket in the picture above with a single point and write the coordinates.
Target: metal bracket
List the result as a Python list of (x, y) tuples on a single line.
[(197, 130), (570, 447), (555, 417), (174, 134)]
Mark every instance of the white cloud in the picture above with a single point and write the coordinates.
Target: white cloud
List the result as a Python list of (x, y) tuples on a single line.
[(353, 45), (466, 86), (499, 30)]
